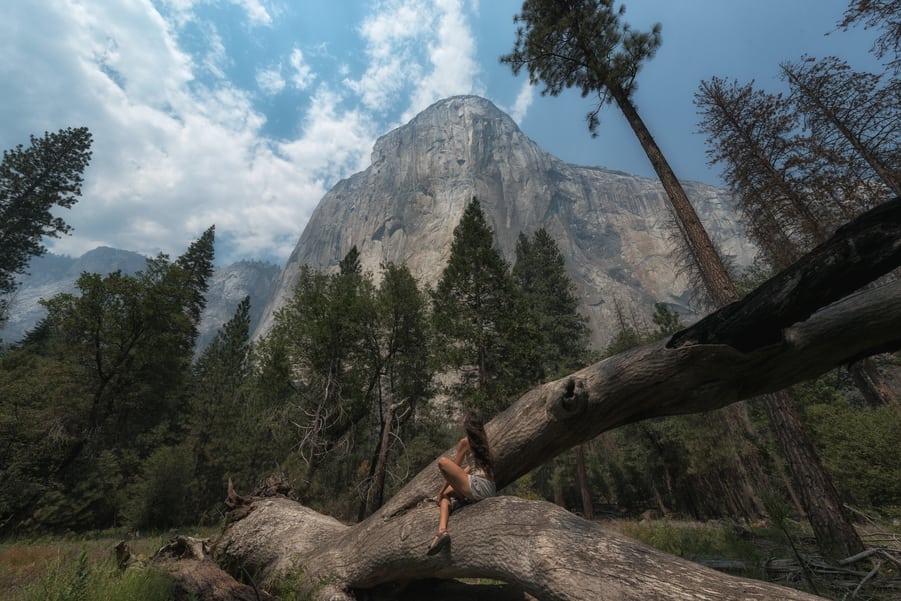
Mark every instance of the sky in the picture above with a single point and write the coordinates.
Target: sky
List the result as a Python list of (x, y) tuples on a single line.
[(243, 113)]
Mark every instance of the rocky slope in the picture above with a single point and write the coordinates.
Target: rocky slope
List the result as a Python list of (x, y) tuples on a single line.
[(613, 228)]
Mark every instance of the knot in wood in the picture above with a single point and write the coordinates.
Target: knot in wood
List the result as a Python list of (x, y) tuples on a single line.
[(568, 399)]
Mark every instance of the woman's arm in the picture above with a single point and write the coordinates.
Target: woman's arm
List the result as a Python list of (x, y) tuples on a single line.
[(462, 451)]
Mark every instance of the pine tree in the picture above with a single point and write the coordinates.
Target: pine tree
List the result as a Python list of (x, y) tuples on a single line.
[(560, 333), (221, 433), (196, 267), (753, 135), (327, 332), (855, 119), (756, 135), (34, 180), (585, 44), (472, 314), (403, 372)]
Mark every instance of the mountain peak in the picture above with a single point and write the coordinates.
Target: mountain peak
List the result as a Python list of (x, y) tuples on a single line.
[(610, 226), (446, 125)]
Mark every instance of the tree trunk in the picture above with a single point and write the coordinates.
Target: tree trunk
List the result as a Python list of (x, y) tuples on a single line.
[(717, 282), (375, 493), (722, 290), (871, 384), (836, 537), (584, 489), (553, 554)]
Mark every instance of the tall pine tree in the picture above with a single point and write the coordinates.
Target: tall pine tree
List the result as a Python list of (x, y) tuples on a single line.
[(548, 294), (472, 315)]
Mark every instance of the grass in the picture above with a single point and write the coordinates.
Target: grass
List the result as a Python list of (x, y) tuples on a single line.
[(699, 539), (79, 569)]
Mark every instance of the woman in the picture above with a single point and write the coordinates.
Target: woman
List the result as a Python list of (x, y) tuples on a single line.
[(473, 482)]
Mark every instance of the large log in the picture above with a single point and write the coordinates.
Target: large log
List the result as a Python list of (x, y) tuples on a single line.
[(547, 551)]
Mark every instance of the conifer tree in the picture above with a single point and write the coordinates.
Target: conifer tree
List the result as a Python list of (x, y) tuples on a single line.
[(402, 372), (196, 268), (34, 180), (220, 430), (548, 294), (586, 45), (854, 118), (472, 314)]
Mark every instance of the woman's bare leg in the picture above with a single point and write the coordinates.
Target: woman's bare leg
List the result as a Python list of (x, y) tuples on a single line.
[(444, 505), (456, 477)]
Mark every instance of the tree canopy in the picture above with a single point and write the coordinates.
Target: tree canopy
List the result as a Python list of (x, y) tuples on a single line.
[(33, 181)]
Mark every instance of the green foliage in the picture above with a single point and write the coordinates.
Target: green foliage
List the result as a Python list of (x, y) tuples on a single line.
[(558, 340), (859, 447), (193, 270), (84, 580), (33, 181), (472, 317), (692, 539), (221, 433), (102, 385), (582, 44), (668, 321), (161, 497)]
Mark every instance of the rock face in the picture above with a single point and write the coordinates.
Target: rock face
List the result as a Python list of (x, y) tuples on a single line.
[(613, 228), (228, 287), (51, 274)]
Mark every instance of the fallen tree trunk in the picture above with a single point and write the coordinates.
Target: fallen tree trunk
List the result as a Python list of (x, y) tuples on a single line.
[(540, 547), (550, 552)]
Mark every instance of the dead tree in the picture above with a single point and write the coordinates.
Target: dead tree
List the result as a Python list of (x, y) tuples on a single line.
[(807, 320)]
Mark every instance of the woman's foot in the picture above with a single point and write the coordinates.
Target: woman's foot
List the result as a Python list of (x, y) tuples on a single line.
[(441, 540)]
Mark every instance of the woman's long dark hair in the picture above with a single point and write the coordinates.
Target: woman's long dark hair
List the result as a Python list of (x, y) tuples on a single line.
[(478, 443)]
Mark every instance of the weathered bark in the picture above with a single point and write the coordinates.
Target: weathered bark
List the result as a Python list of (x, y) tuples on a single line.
[(871, 384), (196, 576), (835, 535), (551, 552), (584, 488)]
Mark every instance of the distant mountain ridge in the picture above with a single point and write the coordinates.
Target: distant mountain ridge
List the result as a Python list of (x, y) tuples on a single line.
[(50, 274), (612, 228)]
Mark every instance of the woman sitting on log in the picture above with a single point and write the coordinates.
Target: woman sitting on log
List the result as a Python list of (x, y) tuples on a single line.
[(471, 483)]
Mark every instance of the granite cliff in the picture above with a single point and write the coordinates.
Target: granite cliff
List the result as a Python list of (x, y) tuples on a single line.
[(613, 228)]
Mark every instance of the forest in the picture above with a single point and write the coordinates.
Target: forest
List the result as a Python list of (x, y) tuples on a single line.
[(111, 418)]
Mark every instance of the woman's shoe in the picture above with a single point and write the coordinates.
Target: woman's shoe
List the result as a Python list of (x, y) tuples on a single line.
[(441, 540)]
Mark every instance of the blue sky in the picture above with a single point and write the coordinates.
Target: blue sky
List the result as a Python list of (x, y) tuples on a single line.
[(243, 113)]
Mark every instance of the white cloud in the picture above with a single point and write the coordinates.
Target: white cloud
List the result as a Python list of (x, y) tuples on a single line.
[(392, 34), (175, 152), (216, 58), (255, 11), (171, 156), (302, 74), (423, 50), (271, 80), (452, 62), (523, 101)]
